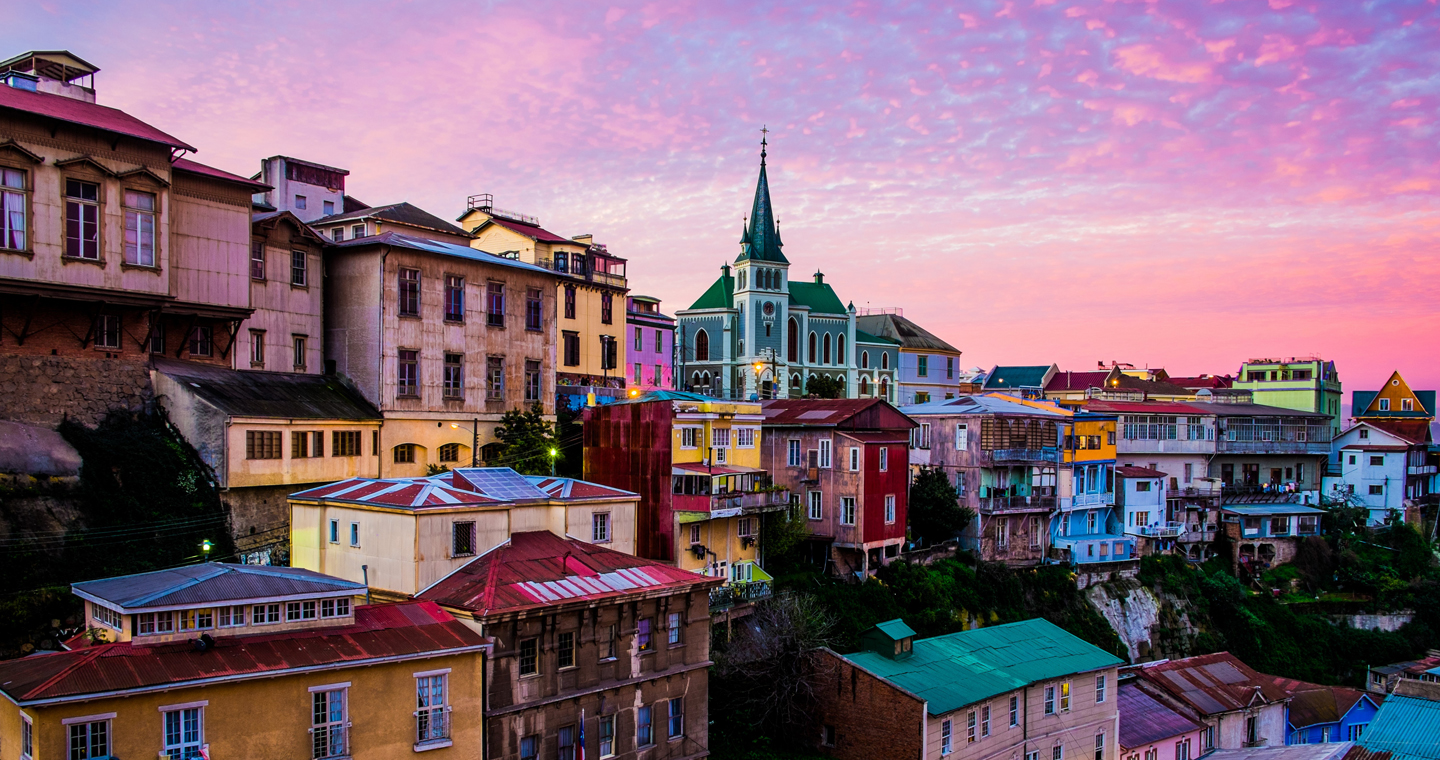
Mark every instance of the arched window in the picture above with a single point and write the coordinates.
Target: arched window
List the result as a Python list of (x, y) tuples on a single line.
[(840, 350), (702, 346), (767, 329), (885, 389), (795, 382), (864, 387), (742, 348), (741, 280), (705, 379), (864, 360), (827, 348), (792, 340), (884, 360), (812, 348), (695, 381)]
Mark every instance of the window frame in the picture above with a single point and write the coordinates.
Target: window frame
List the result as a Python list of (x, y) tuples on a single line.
[(87, 725), (407, 292), (600, 527), (326, 725), (80, 204), (453, 376), (494, 303), (140, 213), (463, 534), (183, 743), (454, 298), (675, 723), (428, 731), (299, 269), (494, 378), (528, 663), (23, 193)]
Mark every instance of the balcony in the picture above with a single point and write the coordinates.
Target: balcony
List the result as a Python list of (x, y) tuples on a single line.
[(1025, 455), (1274, 438), (1426, 469), (1196, 533), (615, 277), (1162, 530), (991, 504), (1195, 491), (732, 503), (738, 594), (1088, 500)]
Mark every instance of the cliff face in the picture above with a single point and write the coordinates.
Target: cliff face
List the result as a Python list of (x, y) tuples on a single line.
[(1152, 625)]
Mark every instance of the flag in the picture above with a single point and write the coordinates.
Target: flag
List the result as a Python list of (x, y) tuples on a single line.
[(581, 754)]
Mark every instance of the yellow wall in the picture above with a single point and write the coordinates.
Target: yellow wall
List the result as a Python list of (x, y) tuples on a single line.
[(1103, 428), (719, 536), (273, 472), (1396, 390), (381, 703)]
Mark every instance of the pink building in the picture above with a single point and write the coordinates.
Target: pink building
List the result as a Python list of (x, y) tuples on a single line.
[(652, 342), (1153, 730)]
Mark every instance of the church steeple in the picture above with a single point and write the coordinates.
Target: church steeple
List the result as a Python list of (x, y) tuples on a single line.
[(761, 240)]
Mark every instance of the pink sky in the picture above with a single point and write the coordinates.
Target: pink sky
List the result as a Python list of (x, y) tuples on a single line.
[(1174, 184)]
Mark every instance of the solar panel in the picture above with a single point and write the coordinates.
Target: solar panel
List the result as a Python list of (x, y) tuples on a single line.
[(502, 483)]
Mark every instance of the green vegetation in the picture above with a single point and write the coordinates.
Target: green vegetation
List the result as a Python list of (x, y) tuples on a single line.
[(821, 386), (935, 512), (527, 442)]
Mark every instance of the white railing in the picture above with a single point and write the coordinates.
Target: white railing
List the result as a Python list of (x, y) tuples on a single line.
[(1163, 530)]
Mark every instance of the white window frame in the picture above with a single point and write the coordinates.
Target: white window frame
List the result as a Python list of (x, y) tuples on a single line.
[(946, 737), (816, 505), (824, 456), (745, 438), (88, 721), (1050, 699), (1014, 711), (984, 721), (427, 736), (690, 434), (136, 219), (794, 454), (962, 437), (1099, 689), (889, 508), (847, 510), (600, 528), (884, 459), (178, 750), (854, 459), (331, 726), (27, 736)]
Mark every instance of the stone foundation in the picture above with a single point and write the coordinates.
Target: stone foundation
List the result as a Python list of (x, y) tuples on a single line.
[(43, 390)]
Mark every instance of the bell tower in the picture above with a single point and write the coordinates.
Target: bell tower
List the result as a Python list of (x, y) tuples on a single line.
[(762, 290)]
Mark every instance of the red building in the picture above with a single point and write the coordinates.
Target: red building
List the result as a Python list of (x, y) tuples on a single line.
[(845, 463)]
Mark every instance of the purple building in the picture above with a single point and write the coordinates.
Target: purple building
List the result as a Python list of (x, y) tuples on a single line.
[(652, 345)]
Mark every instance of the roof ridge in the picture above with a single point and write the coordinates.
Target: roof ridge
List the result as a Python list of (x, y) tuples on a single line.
[(88, 655)]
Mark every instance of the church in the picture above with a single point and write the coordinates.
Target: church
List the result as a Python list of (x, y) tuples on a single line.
[(755, 333)]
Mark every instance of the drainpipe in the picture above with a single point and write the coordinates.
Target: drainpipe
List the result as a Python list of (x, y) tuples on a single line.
[(365, 574), (380, 364)]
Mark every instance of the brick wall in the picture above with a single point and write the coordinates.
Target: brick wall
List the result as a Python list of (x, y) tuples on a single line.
[(871, 718), (43, 390)]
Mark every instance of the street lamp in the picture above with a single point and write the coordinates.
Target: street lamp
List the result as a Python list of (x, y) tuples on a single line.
[(554, 452), (474, 440)]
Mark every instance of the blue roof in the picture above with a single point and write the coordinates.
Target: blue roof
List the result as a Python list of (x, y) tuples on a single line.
[(966, 667), (1265, 510), (414, 243), (1405, 726), (1017, 377), (990, 403), (895, 629), (211, 582)]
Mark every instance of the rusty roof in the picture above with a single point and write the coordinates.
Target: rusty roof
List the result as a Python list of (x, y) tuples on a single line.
[(533, 231), (1146, 720), (1212, 683), (409, 630), (195, 167), (832, 412), (541, 569), (61, 108), (288, 395), (399, 493), (1312, 704), (1138, 472)]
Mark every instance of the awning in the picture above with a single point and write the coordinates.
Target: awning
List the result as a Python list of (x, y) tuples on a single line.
[(695, 468)]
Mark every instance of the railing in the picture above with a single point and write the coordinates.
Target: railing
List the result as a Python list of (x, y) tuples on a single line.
[(332, 741), (1424, 469), (589, 273), (1025, 455), (728, 596), (730, 504), (1162, 530), (432, 724), (1003, 503), (1193, 490), (1092, 499), (1274, 447), (1195, 532)]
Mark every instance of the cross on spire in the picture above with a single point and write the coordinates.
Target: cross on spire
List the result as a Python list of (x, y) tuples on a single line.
[(764, 134)]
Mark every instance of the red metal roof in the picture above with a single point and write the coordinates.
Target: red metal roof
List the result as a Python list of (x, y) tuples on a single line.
[(531, 230), (811, 412), (1077, 381), (1212, 683), (408, 629), (540, 569), (1138, 472), (86, 114), (195, 167), (714, 469), (1146, 720), (1312, 703), (1414, 431), (404, 493), (571, 488)]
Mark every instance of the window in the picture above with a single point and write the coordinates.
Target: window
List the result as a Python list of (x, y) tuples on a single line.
[(985, 721), (971, 727), (82, 220), (262, 444), (565, 743), (529, 657), (745, 438), (1057, 752), (1100, 746), (688, 437), (945, 738), (1406, 405), (950, 368), (300, 202), (107, 332), (677, 717), (532, 380), (600, 527), (672, 629), (184, 732), (357, 231), (607, 735), (534, 314), (329, 608), (702, 346), (612, 634), (1014, 711), (354, 534), (298, 348), (792, 453), (454, 298), (157, 338), (570, 302), (642, 635), (659, 375), (607, 308), (454, 381), (884, 459), (827, 736), (300, 611), (824, 453), (854, 458), (234, 616), (12, 209), (572, 349), (1049, 700), (139, 228), (327, 724), (1377, 460), (264, 614), (1384, 404), (1356, 731), (1377, 490), (1251, 729), (495, 304), (1099, 684), (494, 378), (409, 293), (922, 368), (1065, 697), (565, 650), (847, 510), (297, 269), (200, 344), (720, 438), (462, 539), (530, 748), (962, 437), (304, 444), (345, 443), (890, 508), (745, 527), (826, 349), (644, 730), (639, 373), (257, 348), (840, 349), (432, 715), (1142, 486), (407, 379), (105, 615)]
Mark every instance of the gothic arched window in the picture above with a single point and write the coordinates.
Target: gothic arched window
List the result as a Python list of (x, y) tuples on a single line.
[(827, 348), (840, 350), (702, 346), (812, 348), (792, 340)]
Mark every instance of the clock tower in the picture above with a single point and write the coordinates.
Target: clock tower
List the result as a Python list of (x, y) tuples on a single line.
[(761, 297)]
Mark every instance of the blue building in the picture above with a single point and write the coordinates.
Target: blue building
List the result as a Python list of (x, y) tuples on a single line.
[(1323, 714), (1086, 530), (929, 367)]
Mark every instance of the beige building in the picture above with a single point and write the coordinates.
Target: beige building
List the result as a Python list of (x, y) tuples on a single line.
[(443, 339), (590, 295), (401, 535)]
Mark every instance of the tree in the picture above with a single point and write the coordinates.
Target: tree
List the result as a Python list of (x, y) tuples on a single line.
[(527, 441), (821, 386), (1315, 561), (935, 512), (782, 533)]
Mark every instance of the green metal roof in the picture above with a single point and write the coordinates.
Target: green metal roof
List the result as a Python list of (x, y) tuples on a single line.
[(895, 629), (720, 295), (963, 668), (1406, 726), (1017, 377), (863, 337), (818, 296)]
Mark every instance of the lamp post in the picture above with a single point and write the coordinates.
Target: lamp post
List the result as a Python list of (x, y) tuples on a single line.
[(554, 452), (474, 440), (767, 357)]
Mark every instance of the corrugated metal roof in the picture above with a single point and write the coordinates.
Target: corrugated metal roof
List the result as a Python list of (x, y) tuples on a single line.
[(1406, 726), (989, 403), (574, 488), (399, 240), (399, 213), (819, 297), (905, 332), (1331, 751), (1126, 471), (1145, 720), (966, 667), (816, 412), (390, 630), (402, 493), (1213, 683), (1017, 377), (195, 167), (86, 114), (284, 395), (211, 583), (1265, 510), (464, 486), (538, 569), (895, 629), (534, 231)]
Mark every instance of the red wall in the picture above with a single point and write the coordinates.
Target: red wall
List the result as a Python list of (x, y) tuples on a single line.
[(894, 480), (628, 446)]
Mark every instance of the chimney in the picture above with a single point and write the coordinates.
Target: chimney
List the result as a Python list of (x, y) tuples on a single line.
[(584, 239), (819, 278)]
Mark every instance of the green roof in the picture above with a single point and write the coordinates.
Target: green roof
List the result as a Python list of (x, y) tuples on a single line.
[(1017, 377), (819, 296), (863, 337), (1406, 726), (721, 295), (895, 629), (963, 668)]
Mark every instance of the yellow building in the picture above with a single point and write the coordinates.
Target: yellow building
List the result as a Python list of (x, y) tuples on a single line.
[(589, 297), (335, 680), (400, 535)]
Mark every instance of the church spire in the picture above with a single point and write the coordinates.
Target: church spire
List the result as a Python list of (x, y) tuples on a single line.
[(761, 240)]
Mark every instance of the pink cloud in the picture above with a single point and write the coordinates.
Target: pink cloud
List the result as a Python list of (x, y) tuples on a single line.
[(1147, 61)]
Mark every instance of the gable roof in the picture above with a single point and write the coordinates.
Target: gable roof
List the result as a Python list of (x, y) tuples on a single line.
[(864, 337), (985, 403), (210, 582), (720, 294), (1406, 724), (532, 231), (541, 569), (1029, 376), (1212, 683), (461, 487), (397, 213), (1410, 430), (906, 332), (819, 297), (1146, 720), (408, 630), (1138, 472), (1312, 704), (895, 629), (289, 395), (852, 413), (197, 168), (965, 667), (401, 240), (93, 115)]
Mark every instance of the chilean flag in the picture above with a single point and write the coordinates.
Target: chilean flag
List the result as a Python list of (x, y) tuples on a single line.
[(581, 754)]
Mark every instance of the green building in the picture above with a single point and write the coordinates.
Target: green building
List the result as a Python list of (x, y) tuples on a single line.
[(1309, 384)]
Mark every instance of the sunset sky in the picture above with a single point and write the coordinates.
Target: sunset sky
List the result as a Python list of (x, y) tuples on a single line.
[(1176, 184)]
